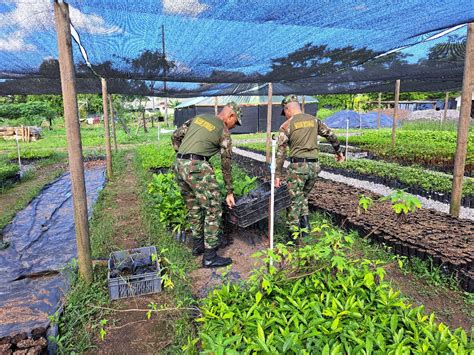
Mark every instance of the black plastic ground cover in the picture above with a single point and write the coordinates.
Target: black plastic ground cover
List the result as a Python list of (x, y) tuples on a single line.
[(466, 201), (42, 244), (446, 241)]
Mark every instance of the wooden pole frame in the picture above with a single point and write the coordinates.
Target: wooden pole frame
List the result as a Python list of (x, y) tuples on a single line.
[(379, 103), (446, 103), (108, 149), (114, 132), (269, 122), (463, 126), (73, 134), (302, 103), (395, 112)]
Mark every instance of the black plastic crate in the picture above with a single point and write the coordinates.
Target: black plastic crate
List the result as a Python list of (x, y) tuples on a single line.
[(133, 272), (254, 206)]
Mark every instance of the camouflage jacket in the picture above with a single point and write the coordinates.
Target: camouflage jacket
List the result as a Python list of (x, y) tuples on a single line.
[(225, 143), (284, 140)]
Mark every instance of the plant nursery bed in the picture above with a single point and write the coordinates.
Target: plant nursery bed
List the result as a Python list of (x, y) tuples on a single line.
[(426, 234)]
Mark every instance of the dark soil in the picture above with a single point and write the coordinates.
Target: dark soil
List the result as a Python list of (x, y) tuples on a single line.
[(245, 244)]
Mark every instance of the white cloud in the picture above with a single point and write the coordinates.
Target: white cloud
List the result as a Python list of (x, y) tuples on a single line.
[(38, 15), (184, 7), (15, 43)]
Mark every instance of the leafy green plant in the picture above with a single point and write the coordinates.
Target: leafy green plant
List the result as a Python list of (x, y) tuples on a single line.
[(402, 202), (317, 299), (7, 172), (156, 156), (168, 201)]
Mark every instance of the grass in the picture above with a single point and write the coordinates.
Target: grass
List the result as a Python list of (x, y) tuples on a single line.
[(81, 308), (90, 136), (102, 222), (20, 194), (179, 258)]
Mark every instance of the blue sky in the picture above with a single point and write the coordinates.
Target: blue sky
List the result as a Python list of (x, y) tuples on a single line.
[(207, 35)]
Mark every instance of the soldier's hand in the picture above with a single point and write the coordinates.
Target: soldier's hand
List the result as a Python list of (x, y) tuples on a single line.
[(277, 182), (340, 157), (230, 200)]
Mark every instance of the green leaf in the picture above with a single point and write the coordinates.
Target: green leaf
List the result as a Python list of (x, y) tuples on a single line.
[(369, 279), (258, 296), (260, 333)]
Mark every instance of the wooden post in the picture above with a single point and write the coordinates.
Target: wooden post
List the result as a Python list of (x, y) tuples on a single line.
[(108, 149), (145, 129), (446, 103), (114, 134), (215, 105), (378, 110), (73, 134), (269, 122), (463, 126), (302, 103), (395, 112)]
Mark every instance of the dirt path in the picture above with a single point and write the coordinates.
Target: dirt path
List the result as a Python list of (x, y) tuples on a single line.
[(129, 331)]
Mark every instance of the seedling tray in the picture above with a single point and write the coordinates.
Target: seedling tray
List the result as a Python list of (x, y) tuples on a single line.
[(133, 272), (254, 206)]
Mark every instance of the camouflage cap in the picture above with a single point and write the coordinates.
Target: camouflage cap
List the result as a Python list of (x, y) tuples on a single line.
[(286, 100), (238, 112)]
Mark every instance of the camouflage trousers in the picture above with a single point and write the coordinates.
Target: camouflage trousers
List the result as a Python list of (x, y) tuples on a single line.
[(301, 179), (202, 196)]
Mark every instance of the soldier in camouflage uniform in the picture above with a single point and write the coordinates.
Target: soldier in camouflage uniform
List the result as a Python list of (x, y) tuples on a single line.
[(300, 132), (195, 142)]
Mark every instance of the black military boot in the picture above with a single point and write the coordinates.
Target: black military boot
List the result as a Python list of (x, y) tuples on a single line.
[(198, 246), (304, 226), (210, 259)]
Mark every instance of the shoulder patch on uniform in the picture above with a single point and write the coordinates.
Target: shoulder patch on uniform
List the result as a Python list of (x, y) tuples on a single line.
[(205, 124), (304, 124)]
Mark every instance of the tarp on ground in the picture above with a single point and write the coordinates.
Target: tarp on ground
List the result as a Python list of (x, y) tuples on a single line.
[(356, 120), (42, 244), (348, 46)]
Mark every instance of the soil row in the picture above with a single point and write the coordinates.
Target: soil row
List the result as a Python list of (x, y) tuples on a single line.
[(426, 234), (466, 201)]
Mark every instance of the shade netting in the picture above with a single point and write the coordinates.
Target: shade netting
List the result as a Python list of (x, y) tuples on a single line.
[(306, 46)]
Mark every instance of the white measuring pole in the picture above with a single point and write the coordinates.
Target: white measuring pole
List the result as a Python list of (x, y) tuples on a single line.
[(18, 150), (347, 135), (272, 195)]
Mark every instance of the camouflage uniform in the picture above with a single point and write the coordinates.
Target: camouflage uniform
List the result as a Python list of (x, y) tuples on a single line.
[(204, 135), (299, 133)]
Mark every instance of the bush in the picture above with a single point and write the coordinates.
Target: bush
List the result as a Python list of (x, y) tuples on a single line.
[(7, 172), (153, 156), (29, 113), (318, 300), (32, 154)]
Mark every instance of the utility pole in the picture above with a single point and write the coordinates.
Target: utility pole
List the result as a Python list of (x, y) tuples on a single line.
[(73, 134)]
